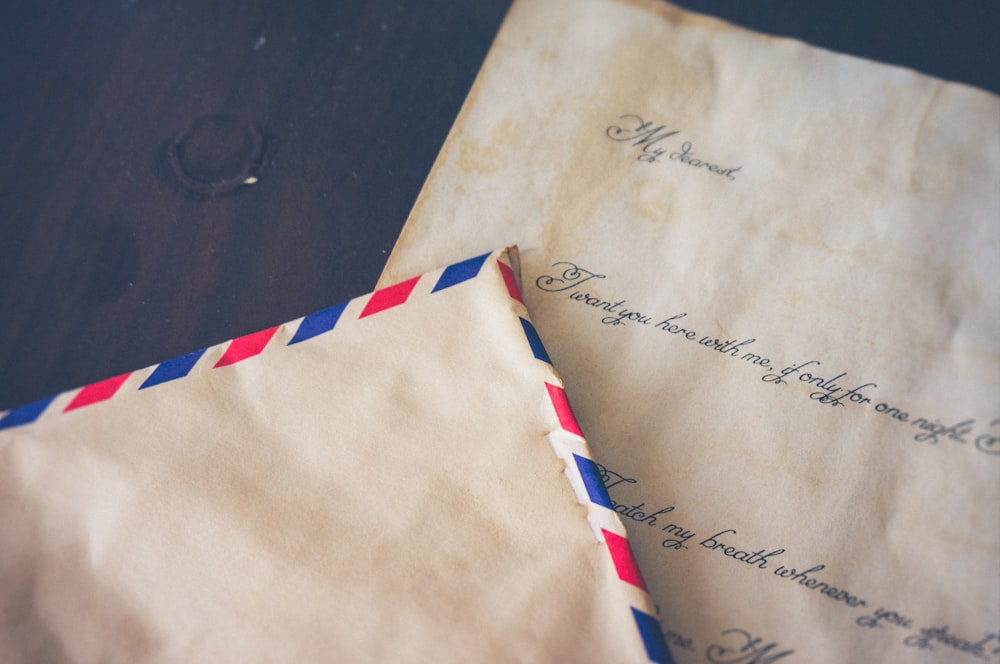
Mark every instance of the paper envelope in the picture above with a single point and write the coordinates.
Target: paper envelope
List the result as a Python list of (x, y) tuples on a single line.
[(397, 478), (769, 276)]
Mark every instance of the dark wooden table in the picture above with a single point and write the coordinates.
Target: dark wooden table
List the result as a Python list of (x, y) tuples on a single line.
[(131, 228)]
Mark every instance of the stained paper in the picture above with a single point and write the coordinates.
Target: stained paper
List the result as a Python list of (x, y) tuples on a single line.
[(768, 274)]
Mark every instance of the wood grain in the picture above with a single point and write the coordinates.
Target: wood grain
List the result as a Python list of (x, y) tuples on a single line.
[(108, 263)]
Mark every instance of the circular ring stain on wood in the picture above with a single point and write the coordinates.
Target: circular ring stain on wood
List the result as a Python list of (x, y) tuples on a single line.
[(217, 154)]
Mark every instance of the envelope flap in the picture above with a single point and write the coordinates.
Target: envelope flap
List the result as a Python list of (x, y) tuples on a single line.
[(382, 480)]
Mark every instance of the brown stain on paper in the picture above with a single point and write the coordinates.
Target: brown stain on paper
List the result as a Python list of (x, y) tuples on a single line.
[(487, 157)]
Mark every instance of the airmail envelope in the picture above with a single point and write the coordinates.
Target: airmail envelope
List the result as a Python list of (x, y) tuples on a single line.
[(396, 478)]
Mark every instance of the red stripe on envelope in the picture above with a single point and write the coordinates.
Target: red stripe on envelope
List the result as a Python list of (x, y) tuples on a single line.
[(246, 346), (390, 296), (565, 414), (624, 560), (98, 391), (511, 281)]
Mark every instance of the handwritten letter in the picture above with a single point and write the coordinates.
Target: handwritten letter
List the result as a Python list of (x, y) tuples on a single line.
[(768, 274)]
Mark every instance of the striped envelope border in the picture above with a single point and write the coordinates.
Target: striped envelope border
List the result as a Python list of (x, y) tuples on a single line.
[(567, 442)]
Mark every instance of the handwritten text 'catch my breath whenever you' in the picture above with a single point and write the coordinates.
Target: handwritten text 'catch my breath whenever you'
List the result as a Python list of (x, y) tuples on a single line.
[(678, 534)]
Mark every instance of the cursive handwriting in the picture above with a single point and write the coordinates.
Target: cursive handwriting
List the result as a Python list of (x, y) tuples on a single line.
[(686, 156), (610, 478), (929, 636), (681, 536), (740, 647), (822, 587), (637, 512), (642, 134), (833, 387), (621, 314), (571, 276), (883, 617), (988, 443), (829, 391), (758, 558), (676, 640)]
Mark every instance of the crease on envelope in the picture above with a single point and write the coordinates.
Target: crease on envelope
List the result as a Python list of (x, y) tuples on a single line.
[(666, 174), (377, 481)]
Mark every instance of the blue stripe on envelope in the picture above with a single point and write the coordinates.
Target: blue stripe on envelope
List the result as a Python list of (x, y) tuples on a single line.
[(535, 342), (592, 481), (25, 414), (172, 369), (459, 272), (652, 637), (318, 323)]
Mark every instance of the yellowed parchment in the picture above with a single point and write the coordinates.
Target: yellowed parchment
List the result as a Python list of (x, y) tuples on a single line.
[(387, 486), (769, 276)]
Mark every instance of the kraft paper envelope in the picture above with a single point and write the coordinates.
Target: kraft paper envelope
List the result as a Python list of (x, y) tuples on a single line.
[(770, 276), (385, 480)]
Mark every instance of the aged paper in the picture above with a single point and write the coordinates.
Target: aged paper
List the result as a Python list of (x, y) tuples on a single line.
[(382, 481), (769, 276)]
